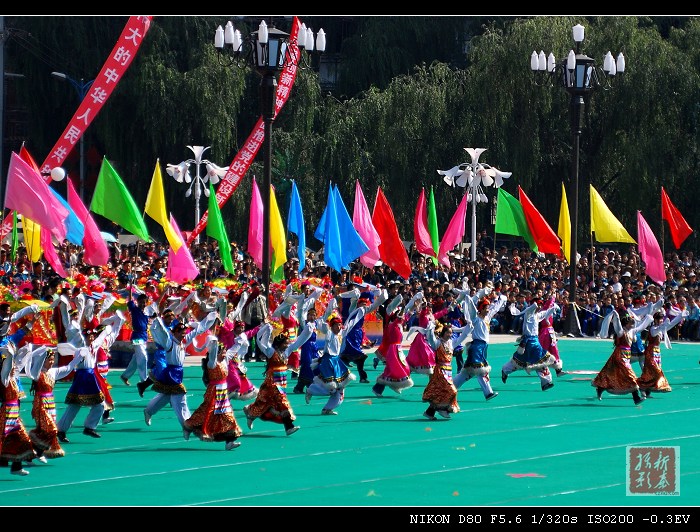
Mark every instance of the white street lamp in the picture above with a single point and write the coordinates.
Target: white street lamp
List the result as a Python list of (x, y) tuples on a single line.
[(181, 173), (474, 175), (579, 75)]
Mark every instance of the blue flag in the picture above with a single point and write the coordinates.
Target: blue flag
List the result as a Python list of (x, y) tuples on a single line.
[(295, 224), (342, 243), (75, 230)]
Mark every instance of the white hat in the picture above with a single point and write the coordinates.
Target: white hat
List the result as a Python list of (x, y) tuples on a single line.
[(627, 274)]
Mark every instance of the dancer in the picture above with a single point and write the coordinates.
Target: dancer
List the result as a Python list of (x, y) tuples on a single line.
[(530, 355), (397, 372), (308, 359), (85, 389), (421, 357), (617, 376), (639, 309), (477, 364), (351, 350), (44, 376), (548, 336), (214, 420), (167, 380), (333, 375), (139, 338), (440, 392), (652, 378), (15, 443), (386, 311), (236, 341), (272, 404)]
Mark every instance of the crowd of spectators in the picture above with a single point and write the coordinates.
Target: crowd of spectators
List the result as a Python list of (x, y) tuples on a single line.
[(608, 276)]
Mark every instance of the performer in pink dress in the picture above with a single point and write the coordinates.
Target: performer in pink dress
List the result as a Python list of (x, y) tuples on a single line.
[(397, 373)]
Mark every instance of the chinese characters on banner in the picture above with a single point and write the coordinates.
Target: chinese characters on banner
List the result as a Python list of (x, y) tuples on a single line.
[(112, 72)]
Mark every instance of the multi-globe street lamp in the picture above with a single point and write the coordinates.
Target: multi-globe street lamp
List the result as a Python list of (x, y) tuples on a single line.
[(473, 175), (267, 50), (181, 173), (579, 75)]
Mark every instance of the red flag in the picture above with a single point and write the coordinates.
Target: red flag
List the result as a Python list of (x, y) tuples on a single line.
[(391, 250), (421, 233), (546, 239), (679, 228)]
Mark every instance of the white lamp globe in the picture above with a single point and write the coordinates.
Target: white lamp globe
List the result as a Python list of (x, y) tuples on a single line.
[(58, 174)]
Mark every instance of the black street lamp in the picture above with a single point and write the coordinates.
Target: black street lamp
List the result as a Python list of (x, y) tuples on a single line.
[(580, 76), (267, 50), (81, 88)]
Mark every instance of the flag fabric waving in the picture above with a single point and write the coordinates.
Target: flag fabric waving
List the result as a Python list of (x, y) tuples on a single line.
[(255, 225), (278, 241), (32, 239), (421, 232), (181, 266), (454, 232), (27, 193), (564, 229), (362, 222), (95, 251), (217, 230), (75, 230), (50, 253), (510, 219), (112, 200), (295, 224), (544, 236), (433, 226), (679, 228), (341, 242), (391, 250), (606, 227), (155, 207), (649, 251)]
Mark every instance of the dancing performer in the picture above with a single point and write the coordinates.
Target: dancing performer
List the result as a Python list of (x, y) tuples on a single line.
[(397, 372), (477, 364), (272, 403), (617, 376), (548, 336), (652, 378), (214, 420), (530, 355)]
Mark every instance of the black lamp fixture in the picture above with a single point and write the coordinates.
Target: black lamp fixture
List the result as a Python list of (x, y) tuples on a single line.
[(267, 50), (580, 76)]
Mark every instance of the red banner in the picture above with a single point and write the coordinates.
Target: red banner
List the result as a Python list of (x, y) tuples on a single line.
[(112, 72), (245, 157)]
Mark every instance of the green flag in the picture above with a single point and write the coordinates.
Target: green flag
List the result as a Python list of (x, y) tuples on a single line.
[(433, 226), (113, 201), (510, 218), (216, 230), (15, 238)]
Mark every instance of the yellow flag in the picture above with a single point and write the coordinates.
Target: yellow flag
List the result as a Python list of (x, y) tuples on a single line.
[(606, 227), (32, 239), (155, 208), (564, 230), (278, 241)]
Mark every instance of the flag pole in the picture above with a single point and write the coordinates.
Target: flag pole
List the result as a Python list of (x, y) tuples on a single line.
[(663, 248)]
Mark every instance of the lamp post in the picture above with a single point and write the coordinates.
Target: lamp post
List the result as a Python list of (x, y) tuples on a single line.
[(181, 172), (81, 88), (473, 175), (579, 75), (268, 50)]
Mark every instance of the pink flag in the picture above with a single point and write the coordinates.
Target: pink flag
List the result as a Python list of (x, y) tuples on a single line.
[(27, 193), (454, 233), (650, 251), (255, 227), (95, 251), (50, 253), (421, 233), (181, 265), (362, 222)]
